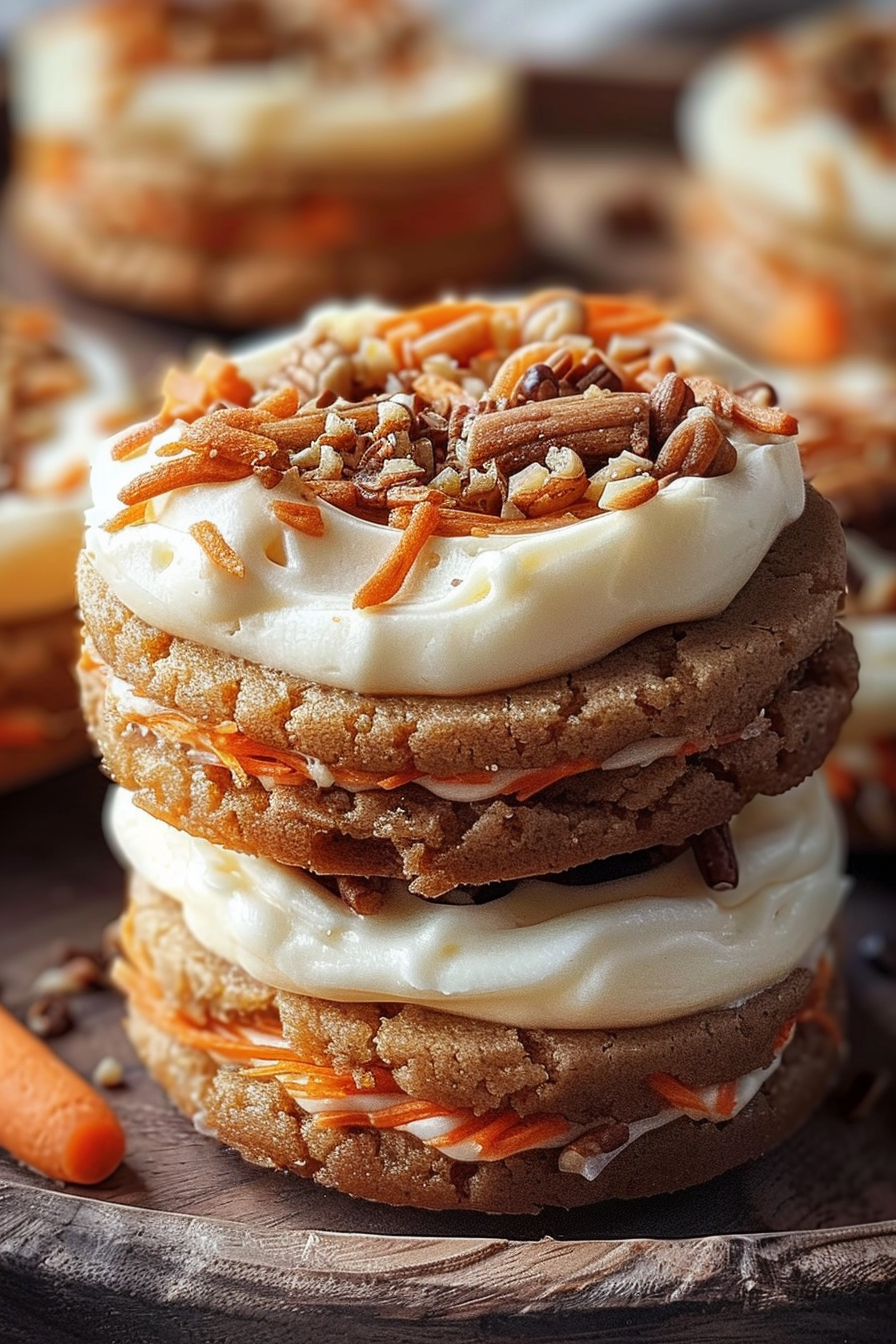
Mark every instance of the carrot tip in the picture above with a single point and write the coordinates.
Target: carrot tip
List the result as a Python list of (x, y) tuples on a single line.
[(94, 1150)]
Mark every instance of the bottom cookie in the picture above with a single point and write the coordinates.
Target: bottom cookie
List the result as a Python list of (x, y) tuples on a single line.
[(412, 1106)]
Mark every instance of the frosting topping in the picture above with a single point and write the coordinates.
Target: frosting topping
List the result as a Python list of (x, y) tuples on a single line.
[(639, 950), (484, 604)]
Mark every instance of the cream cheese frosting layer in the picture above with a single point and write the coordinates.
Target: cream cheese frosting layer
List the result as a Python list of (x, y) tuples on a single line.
[(735, 131), (449, 108), (477, 613), (42, 523), (641, 950)]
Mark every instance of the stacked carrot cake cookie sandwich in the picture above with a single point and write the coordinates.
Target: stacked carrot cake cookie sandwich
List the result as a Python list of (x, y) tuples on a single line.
[(465, 670), (58, 384), (233, 162)]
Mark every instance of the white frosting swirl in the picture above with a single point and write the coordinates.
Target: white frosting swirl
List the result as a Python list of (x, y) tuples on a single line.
[(641, 950), (41, 525), (736, 132), (477, 613)]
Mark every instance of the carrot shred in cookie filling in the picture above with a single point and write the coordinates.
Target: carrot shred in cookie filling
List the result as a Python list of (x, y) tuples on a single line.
[(369, 1098), (249, 759), (453, 419), (721, 1104)]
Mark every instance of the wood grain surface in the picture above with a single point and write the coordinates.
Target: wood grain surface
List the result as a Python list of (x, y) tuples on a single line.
[(187, 1242)]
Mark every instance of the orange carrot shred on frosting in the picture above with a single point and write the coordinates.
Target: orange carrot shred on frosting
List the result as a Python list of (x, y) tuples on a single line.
[(536, 780), (183, 471), (527, 1134), (186, 396), (50, 1118), (217, 1039), (281, 404), (387, 580), (220, 552), (726, 1098), (305, 518), (134, 440), (127, 517)]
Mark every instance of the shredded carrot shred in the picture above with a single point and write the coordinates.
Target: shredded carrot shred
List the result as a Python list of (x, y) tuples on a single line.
[(726, 1098), (527, 1134), (305, 518), (220, 552), (181, 472), (676, 1093), (387, 580), (281, 404), (215, 1038), (130, 516), (134, 440), (537, 780)]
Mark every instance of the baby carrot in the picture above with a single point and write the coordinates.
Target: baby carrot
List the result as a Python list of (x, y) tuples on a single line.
[(50, 1118)]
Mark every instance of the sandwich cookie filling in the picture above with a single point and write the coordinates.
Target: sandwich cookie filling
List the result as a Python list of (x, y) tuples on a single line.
[(339, 1101), (643, 949)]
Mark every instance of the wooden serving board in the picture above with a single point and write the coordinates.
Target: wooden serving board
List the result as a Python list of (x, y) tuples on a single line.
[(188, 1243)]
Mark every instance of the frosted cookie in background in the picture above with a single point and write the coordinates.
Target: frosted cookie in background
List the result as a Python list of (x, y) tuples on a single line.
[(62, 390), (790, 225), (847, 416), (464, 671), (232, 163)]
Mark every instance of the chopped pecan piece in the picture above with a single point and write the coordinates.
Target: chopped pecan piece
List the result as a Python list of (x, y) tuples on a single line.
[(593, 426), (670, 402), (697, 447), (715, 857)]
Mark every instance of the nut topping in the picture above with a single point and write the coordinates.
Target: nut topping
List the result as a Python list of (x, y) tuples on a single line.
[(538, 383), (693, 448), (596, 427), (670, 402), (715, 857)]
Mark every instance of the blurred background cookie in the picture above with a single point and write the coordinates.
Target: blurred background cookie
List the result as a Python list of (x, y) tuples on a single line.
[(234, 163), (847, 417), (61, 389), (790, 228)]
